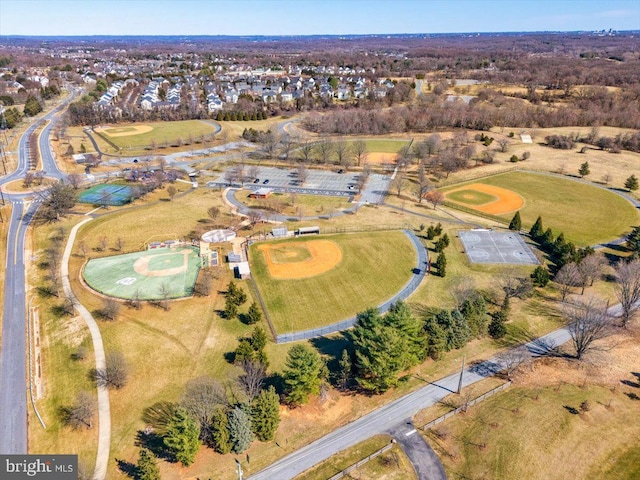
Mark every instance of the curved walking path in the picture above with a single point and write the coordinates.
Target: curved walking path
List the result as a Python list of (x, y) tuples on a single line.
[(104, 409)]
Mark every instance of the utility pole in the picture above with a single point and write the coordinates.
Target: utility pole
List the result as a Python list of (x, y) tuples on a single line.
[(239, 469), (461, 373)]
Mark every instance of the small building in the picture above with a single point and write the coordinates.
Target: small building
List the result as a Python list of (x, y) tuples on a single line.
[(242, 270), (526, 138), (308, 231), (261, 193)]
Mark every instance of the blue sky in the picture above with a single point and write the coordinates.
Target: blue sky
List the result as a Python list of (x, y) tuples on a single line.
[(286, 17)]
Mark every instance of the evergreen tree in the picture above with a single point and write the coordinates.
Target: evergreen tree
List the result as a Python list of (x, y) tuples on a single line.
[(631, 183), (584, 169), (32, 106), (540, 276), (460, 330), (441, 264), (254, 315), (516, 222), (536, 230), (546, 240), (244, 351), (219, 427), (402, 320), (438, 229), (182, 437), (346, 368), (265, 414), (258, 339), (304, 374), (474, 311), (230, 309), (431, 233), (436, 338), (147, 466), (439, 246), (633, 241), (240, 434), (497, 328)]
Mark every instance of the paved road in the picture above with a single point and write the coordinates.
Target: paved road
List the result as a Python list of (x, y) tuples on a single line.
[(425, 461), (394, 414), (13, 368)]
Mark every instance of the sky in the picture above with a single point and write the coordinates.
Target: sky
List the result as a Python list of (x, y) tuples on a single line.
[(307, 17)]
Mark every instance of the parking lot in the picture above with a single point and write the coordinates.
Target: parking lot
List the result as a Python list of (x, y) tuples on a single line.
[(318, 182)]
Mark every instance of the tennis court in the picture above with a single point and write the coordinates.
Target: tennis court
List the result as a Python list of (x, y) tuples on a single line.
[(113, 195)]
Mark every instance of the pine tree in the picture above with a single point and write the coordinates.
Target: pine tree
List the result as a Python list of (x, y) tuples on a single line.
[(254, 315), (497, 328), (631, 183), (633, 241), (265, 414), (536, 230), (402, 320), (584, 169), (182, 437), (436, 338), (147, 466), (379, 357), (516, 222), (240, 434), (219, 427), (546, 240), (304, 374), (230, 309), (438, 229), (346, 368), (244, 351), (540, 276), (441, 264)]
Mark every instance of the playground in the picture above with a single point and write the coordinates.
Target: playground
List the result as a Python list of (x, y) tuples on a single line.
[(156, 274)]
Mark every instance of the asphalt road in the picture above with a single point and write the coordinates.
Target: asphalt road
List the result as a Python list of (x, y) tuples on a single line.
[(13, 368), (396, 413), (424, 460)]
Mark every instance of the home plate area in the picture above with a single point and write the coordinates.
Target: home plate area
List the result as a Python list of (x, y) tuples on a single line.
[(488, 246)]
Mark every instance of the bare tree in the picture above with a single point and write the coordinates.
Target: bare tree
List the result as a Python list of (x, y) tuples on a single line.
[(201, 397), (213, 213), (360, 151), (75, 180), (515, 286), (110, 309), (254, 215), (342, 153), (306, 149), (590, 269), (116, 371), (513, 359), (435, 197), (103, 241), (252, 379), (504, 145), (627, 289), (433, 144), (164, 291), (254, 172), (567, 278), (302, 173), (423, 184), (589, 322), (399, 181), (325, 149), (80, 414), (119, 244), (171, 190)]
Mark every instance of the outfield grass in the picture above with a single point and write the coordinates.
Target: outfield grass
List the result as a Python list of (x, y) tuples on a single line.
[(383, 467), (354, 285), (163, 133), (586, 214), (530, 433)]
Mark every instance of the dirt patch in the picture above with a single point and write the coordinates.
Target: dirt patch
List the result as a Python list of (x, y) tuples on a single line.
[(379, 158), (323, 256), (125, 131), (141, 265), (507, 200)]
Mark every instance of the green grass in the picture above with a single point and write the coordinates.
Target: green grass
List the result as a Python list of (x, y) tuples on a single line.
[(106, 274), (289, 253), (471, 197), (374, 267), (530, 433), (162, 133), (586, 214)]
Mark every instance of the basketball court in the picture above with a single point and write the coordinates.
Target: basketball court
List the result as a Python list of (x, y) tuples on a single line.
[(488, 246)]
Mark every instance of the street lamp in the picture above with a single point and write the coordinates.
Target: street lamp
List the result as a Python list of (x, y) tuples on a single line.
[(239, 465)]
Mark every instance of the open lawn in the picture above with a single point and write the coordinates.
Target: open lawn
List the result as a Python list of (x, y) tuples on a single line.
[(162, 134), (352, 286), (391, 465), (586, 214)]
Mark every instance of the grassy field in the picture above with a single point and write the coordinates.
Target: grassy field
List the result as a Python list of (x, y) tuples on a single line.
[(391, 465), (352, 286), (583, 212), (489, 441), (292, 205), (164, 134), (471, 197)]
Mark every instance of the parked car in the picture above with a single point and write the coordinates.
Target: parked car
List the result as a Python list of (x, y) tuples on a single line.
[(265, 182), (257, 180)]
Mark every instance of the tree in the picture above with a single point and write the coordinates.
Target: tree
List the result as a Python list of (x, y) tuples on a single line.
[(584, 169), (240, 434), (254, 315), (302, 174), (74, 179), (588, 321), (305, 372), (516, 222), (265, 414), (235, 294), (251, 381), (497, 328), (219, 431), (32, 106), (360, 151), (441, 264), (436, 338), (57, 201), (171, 191), (540, 276), (182, 437), (627, 289), (80, 414), (536, 230), (147, 468), (213, 213), (110, 309), (590, 269), (631, 183), (346, 369), (435, 197), (633, 241), (201, 397), (116, 371), (399, 181), (567, 278), (423, 185), (504, 145)]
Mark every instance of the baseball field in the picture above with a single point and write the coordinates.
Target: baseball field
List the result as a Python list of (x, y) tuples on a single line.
[(308, 282), (138, 136)]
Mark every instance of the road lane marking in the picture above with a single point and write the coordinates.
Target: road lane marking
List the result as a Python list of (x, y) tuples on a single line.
[(408, 434)]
